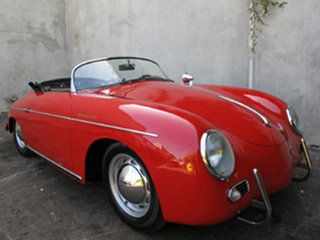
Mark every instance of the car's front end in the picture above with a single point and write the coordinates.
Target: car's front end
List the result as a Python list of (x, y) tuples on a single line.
[(259, 172), (214, 186), (242, 159)]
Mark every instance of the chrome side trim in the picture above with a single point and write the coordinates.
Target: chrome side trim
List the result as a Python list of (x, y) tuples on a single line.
[(89, 122), (307, 166), (20, 109), (263, 118), (265, 204), (56, 164), (115, 127), (47, 114)]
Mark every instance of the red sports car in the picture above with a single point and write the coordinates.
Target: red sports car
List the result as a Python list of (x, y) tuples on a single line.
[(166, 152)]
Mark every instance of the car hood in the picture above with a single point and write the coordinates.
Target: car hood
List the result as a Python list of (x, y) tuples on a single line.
[(204, 103)]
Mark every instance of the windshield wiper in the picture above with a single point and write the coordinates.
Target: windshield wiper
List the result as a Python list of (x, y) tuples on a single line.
[(146, 78)]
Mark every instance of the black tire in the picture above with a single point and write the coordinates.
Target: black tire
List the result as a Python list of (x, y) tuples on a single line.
[(137, 206), (19, 142)]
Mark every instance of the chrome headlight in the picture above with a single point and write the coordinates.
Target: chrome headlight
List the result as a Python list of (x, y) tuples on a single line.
[(294, 120), (217, 154)]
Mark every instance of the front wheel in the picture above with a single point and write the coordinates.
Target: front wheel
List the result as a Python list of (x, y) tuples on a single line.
[(19, 141), (131, 191)]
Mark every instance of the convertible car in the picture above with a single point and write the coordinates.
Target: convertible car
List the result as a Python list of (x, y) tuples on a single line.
[(166, 152)]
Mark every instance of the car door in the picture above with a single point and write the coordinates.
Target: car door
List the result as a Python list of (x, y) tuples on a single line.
[(49, 126)]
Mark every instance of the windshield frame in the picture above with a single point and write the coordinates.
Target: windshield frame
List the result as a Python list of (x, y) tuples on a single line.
[(74, 89)]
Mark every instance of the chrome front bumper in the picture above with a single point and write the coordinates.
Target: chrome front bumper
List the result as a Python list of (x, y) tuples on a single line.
[(265, 203), (307, 165)]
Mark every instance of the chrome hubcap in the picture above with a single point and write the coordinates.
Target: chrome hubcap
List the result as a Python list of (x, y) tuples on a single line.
[(19, 136), (129, 185)]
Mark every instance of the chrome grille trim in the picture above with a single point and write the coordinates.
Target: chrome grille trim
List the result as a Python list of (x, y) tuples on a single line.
[(243, 187)]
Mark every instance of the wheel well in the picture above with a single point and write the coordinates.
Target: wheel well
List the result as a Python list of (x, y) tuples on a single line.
[(94, 159)]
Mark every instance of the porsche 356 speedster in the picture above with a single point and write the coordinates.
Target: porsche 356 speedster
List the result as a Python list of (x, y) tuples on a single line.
[(166, 152)]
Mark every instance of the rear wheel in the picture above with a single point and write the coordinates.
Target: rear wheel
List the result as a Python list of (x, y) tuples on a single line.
[(19, 141), (130, 188)]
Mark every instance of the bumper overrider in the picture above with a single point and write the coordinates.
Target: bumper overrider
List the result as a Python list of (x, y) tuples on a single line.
[(242, 188)]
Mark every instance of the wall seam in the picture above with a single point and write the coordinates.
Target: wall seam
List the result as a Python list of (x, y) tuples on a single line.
[(67, 33)]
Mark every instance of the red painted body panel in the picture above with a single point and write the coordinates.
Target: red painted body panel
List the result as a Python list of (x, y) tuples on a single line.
[(47, 134), (205, 104), (63, 125)]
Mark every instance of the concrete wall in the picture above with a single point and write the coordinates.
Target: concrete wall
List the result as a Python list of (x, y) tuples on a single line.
[(288, 61), (33, 45), (204, 37)]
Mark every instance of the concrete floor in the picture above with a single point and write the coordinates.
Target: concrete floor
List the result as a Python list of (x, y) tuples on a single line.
[(39, 202)]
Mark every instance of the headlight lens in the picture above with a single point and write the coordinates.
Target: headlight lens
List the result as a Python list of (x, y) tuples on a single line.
[(217, 154), (294, 121)]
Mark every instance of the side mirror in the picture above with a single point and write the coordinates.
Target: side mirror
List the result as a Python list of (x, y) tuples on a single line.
[(187, 79)]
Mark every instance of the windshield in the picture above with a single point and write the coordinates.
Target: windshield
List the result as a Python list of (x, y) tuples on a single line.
[(114, 71)]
